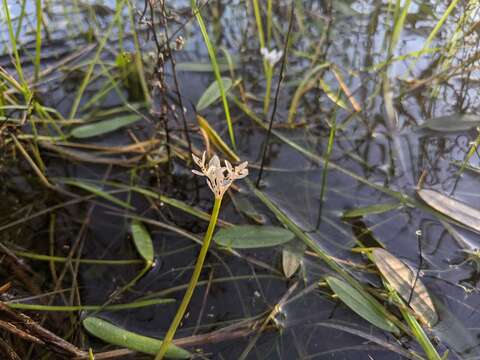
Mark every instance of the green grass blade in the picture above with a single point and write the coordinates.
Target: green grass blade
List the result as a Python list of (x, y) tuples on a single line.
[(98, 192), (69, 308), (216, 70)]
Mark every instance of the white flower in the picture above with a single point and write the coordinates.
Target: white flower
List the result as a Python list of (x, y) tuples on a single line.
[(219, 178), (272, 57)]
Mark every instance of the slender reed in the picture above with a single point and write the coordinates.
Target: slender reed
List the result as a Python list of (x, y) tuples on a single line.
[(216, 70)]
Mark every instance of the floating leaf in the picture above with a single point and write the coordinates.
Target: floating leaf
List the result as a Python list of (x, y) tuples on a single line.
[(98, 192), (252, 236), (359, 304), (291, 261), (212, 93), (117, 336), (103, 127), (454, 209), (142, 240), (371, 209), (402, 279), (454, 122)]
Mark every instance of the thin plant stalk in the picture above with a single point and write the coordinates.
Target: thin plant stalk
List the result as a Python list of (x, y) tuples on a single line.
[(331, 140), (38, 40), (269, 20), (267, 69), (258, 20), (216, 70), (193, 281)]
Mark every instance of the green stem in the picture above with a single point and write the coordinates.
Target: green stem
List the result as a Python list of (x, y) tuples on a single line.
[(268, 75), (193, 282)]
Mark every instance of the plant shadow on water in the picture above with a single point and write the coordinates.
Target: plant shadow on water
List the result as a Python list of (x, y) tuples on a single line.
[(372, 108)]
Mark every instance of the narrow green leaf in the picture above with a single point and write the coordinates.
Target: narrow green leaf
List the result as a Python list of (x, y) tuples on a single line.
[(103, 127), (99, 192), (454, 122), (117, 336), (68, 308), (403, 279), (359, 304), (371, 209), (142, 240), (252, 236), (213, 93)]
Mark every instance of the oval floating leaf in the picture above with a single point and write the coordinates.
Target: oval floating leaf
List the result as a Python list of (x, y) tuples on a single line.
[(454, 209), (359, 304), (454, 122), (117, 336), (371, 209), (103, 127), (291, 261), (142, 240), (252, 236), (212, 93), (402, 279)]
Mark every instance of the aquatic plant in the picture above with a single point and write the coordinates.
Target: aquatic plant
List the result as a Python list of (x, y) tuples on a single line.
[(219, 179)]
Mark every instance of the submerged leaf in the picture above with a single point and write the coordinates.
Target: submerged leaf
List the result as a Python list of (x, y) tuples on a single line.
[(142, 240), (371, 209), (252, 236), (333, 96), (359, 304), (212, 93), (117, 336), (454, 209), (403, 279), (245, 206), (98, 192), (103, 127), (454, 122), (291, 261)]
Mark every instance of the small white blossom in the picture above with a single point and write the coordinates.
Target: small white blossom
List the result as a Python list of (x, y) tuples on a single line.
[(219, 178), (272, 57)]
